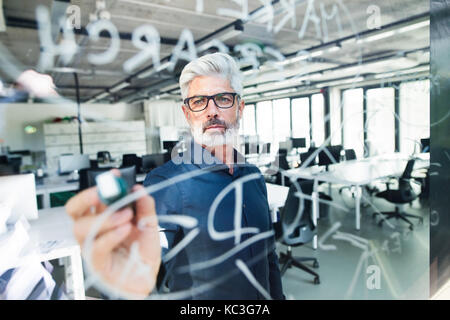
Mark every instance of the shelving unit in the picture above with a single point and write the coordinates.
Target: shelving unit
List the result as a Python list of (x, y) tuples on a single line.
[(117, 137)]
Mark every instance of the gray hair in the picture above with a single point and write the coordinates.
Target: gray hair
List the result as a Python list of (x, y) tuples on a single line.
[(214, 64)]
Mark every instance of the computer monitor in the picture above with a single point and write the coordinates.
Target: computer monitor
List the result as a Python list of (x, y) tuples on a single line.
[(307, 155), (265, 148), (73, 162), (21, 152), (152, 161), (169, 145), (251, 148), (15, 163), (19, 193), (247, 148), (87, 177), (425, 145), (298, 142), (334, 151)]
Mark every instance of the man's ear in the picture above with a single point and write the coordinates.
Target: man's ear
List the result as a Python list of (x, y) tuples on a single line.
[(241, 108), (186, 112)]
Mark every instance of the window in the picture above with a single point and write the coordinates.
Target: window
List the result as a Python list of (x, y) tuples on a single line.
[(264, 120), (300, 119), (248, 127), (353, 121), (318, 119), (335, 117), (281, 119), (380, 121), (414, 114)]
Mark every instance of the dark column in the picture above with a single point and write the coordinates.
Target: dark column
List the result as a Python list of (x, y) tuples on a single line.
[(439, 145)]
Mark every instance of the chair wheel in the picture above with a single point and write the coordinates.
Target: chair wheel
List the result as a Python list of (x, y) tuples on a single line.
[(316, 280), (411, 228), (315, 264)]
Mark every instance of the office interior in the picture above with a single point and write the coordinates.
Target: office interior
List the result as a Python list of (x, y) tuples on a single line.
[(337, 100)]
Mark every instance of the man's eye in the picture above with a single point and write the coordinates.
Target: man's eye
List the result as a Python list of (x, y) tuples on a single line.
[(223, 99), (198, 100)]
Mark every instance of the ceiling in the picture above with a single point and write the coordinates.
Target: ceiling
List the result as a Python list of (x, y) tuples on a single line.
[(344, 41)]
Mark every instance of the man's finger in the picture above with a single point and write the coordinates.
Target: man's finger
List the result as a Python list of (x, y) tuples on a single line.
[(106, 243), (145, 208), (80, 204), (84, 225)]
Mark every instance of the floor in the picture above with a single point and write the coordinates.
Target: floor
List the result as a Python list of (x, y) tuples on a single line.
[(389, 262)]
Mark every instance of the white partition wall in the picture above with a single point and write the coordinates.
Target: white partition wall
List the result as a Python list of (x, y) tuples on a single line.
[(117, 137)]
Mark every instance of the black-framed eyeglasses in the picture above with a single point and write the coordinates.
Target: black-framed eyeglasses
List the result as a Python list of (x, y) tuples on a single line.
[(223, 100)]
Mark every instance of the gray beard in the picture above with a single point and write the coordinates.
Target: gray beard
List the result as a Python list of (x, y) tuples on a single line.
[(229, 137)]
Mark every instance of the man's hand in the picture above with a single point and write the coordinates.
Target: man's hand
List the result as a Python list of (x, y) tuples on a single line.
[(119, 243), (38, 84)]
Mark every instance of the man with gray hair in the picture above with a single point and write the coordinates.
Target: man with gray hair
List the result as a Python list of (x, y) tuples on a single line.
[(229, 252), (214, 237)]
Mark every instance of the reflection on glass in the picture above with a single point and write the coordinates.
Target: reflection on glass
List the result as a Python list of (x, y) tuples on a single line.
[(264, 120), (353, 120), (318, 118), (281, 119), (380, 123), (414, 114), (300, 119)]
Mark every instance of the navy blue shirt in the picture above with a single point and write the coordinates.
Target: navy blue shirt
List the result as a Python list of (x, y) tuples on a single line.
[(201, 256)]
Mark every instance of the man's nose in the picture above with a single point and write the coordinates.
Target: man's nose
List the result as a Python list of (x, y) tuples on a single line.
[(211, 109)]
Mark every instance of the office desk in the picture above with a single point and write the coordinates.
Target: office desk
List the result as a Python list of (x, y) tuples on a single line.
[(51, 237), (54, 184), (357, 173)]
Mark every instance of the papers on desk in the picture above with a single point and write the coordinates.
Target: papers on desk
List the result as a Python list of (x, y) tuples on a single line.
[(12, 244), (22, 276)]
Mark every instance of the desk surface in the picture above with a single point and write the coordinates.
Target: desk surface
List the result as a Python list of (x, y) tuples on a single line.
[(360, 172), (59, 184), (51, 236)]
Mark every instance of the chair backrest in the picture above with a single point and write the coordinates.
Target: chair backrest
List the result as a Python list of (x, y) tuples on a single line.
[(425, 145), (132, 159), (282, 162), (306, 155), (296, 226), (408, 169), (350, 154), (404, 184)]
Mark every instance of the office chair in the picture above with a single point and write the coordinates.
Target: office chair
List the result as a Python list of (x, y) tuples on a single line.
[(132, 159), (104, 157), (350, 154), (296, 229), (402, 195), (282, 163)]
